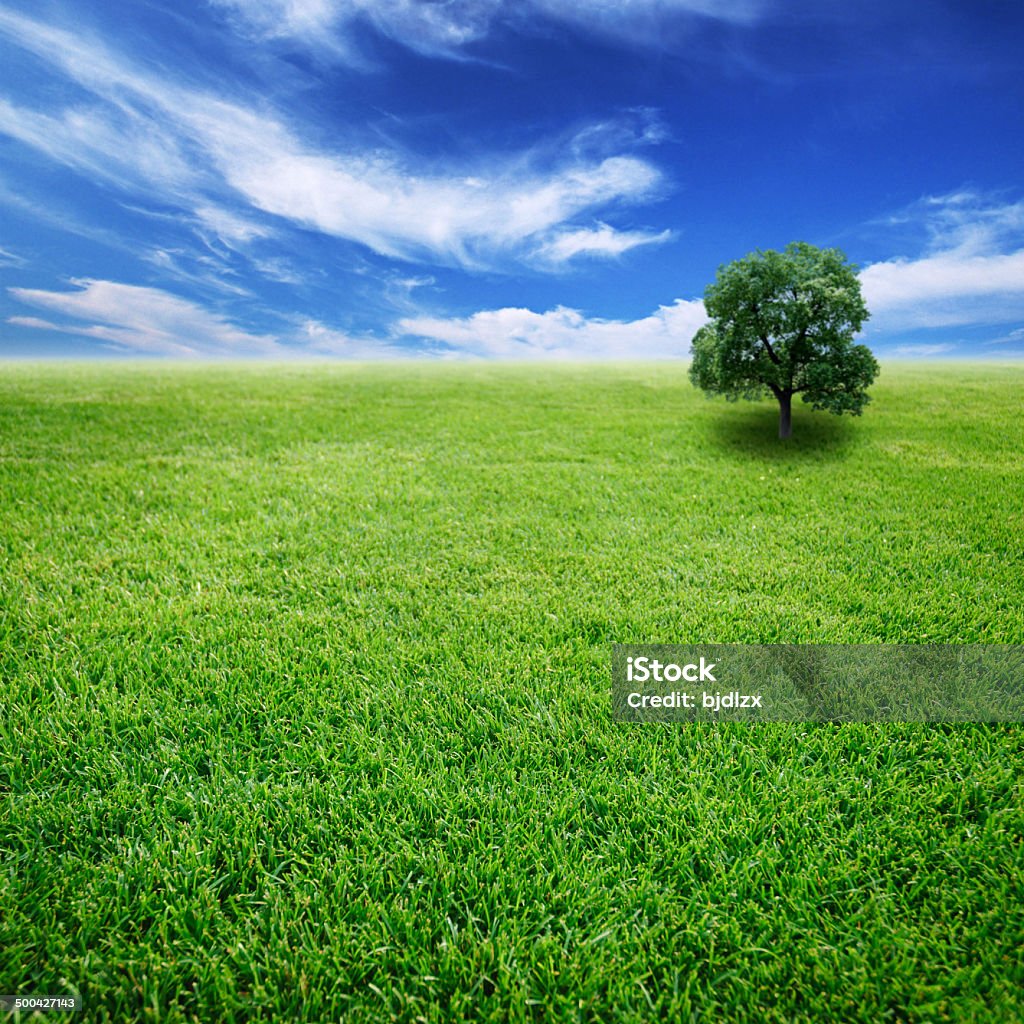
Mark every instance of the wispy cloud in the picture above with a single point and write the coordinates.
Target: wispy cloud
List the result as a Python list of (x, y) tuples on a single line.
[(124, 147), (209, 273), (562, 333), (1014, 337), (971, 272), (447, 29), (229, 227), (326, 26), (318, 339), (149, 133), (922, 350), (11, 259), (382, 202), (137, 320), (970, 221), (33, 321), (602, 241), (651, 22), (55, 211), (134, 320)]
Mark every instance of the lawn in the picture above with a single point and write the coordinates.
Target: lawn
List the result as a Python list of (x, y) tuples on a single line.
[(306, 696)]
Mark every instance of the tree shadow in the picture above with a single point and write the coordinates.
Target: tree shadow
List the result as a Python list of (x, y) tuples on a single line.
[(754, 430)]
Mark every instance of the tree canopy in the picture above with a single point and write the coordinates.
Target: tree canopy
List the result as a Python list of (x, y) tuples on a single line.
[(783, 323)]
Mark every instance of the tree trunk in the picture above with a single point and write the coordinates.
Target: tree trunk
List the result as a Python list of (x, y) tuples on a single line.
[(785, 415)]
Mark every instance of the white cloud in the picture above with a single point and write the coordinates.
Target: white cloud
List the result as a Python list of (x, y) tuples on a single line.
[(922, 350), (971, 222), (238, 234), (650, 22), (409, 284), (229, 227), (134, 320), (11, 259), (1014, 337), (138, 320), (945, 290), (115, 145), (324, 25), (33, 321), (142, 320), (154, 134), (381, 202), (315, 338), (209, 274), (563, 333), (971, 273), (445, 29), (600, 241), (277, 269)]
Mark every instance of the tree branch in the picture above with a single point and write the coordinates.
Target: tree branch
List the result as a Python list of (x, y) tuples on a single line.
[(768, 348), (764, 337)]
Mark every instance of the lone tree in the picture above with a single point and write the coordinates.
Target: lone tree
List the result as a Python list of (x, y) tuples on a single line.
[(783, 322)]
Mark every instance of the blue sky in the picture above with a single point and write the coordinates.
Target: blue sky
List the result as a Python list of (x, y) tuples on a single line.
[(528, 179)]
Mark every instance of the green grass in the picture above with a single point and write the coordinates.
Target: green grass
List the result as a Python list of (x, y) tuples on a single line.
[(306, 697)]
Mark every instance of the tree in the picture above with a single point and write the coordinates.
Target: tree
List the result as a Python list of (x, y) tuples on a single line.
[(784, 322)]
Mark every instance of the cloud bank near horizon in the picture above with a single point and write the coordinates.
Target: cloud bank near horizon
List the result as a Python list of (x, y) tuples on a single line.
[(971, 272), (132, 320), (961, 278)]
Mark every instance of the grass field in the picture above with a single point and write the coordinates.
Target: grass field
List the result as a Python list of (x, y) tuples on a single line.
[(306, 696)]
